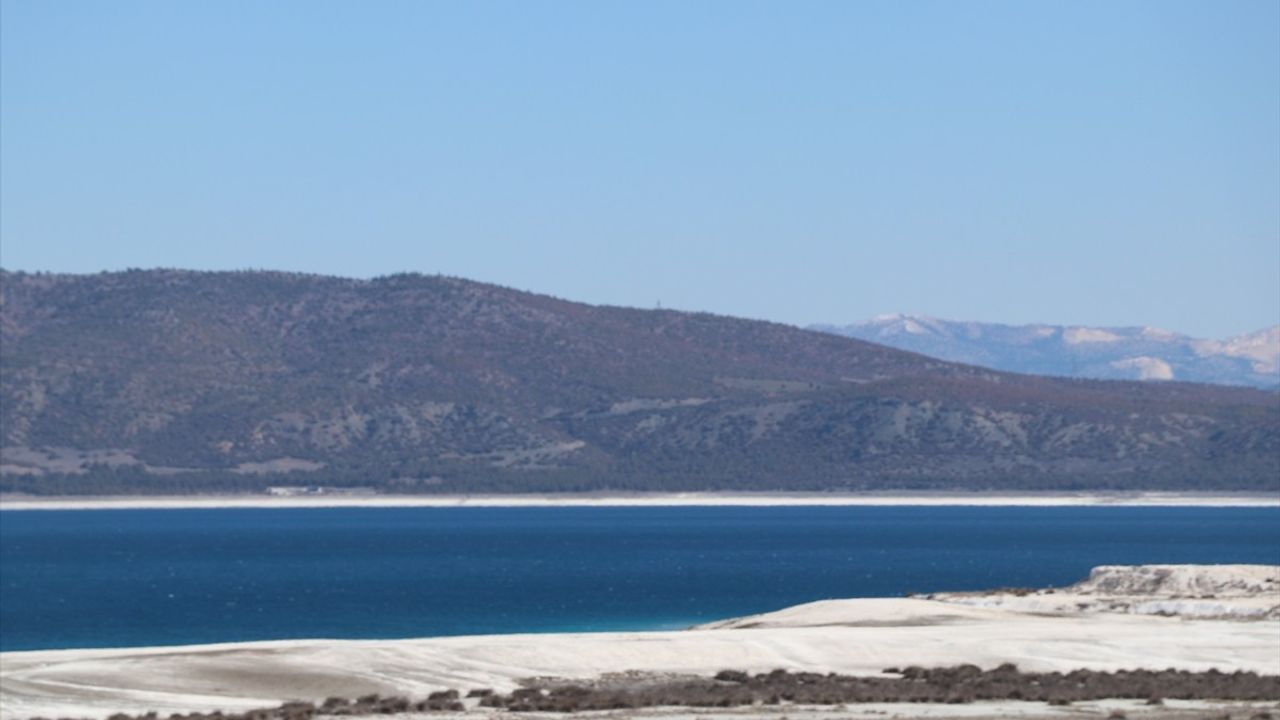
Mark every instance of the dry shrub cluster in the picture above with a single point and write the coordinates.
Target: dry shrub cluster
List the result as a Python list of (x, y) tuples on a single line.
[(735, 688), (962, 684)]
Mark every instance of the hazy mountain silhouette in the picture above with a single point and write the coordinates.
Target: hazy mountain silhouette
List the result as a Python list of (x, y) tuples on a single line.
[(1108, 353)]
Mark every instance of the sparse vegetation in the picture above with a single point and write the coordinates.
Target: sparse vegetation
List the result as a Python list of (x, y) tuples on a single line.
[(734, 688), (962, 684)]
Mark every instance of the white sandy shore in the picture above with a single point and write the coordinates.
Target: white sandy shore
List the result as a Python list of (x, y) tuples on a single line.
[(1130, 499), (874, 634), (861, 636)]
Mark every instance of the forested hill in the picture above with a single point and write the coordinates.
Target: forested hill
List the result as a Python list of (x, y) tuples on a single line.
[(175, 381)]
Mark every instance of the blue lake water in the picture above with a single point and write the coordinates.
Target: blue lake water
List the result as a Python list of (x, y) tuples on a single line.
[(110, 578)]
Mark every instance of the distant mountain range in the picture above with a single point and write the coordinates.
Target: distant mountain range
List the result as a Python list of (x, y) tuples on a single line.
[(168, 381), (1106, 353)]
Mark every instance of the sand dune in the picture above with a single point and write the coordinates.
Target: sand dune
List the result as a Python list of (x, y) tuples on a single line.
[(861, 636)]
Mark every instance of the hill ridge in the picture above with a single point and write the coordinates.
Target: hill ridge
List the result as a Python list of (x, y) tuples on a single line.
[(181, 381)]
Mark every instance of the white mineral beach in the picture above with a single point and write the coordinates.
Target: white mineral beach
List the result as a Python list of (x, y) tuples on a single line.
[(1105, 623), (726, 499)]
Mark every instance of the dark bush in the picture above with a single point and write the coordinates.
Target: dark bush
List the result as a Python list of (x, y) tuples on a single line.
[(735, 688)]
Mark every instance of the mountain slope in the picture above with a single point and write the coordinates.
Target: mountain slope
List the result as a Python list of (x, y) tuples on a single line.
[(164, 381), (1129, 353)]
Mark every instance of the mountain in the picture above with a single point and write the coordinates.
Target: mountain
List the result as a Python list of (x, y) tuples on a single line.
[(175, 381), (1112, 353)]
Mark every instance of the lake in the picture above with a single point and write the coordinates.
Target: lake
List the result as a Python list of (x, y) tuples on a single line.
[(115, 578)]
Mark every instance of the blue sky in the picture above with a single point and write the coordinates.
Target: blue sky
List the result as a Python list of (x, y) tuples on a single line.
[(1107, 163)]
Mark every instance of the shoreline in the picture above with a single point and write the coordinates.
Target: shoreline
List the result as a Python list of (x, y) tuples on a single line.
[(1098, 624), (810, 638), (690, 499)]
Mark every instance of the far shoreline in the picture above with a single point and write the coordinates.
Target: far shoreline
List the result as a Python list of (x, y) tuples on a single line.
[(688, 499)]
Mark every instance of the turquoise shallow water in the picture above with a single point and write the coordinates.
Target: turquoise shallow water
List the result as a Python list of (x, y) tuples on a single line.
[(111, 578)]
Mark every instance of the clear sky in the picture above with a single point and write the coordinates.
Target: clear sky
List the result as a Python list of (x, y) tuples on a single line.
[(1105, 163)]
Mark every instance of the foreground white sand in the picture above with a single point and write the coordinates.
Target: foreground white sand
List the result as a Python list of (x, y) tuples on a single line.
[(877, 634), (1131, 499), (848, 636)]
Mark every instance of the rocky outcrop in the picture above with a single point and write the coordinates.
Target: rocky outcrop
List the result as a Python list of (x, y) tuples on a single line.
[(1233, 592)]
